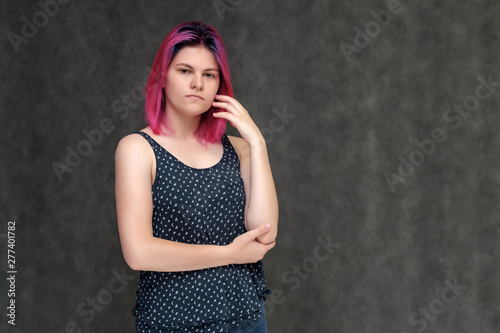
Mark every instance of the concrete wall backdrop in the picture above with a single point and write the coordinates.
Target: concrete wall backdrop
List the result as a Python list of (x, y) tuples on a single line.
[(382, 123)]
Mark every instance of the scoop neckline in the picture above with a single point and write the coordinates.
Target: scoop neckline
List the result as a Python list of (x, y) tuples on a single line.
[(184, 164)]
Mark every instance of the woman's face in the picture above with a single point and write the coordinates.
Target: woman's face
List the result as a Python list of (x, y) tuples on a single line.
[(192, 81)]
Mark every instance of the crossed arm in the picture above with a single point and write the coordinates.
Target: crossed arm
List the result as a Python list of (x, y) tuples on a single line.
[(142, 251)]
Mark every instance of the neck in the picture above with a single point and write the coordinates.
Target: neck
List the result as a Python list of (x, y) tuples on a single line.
[(183, 126)]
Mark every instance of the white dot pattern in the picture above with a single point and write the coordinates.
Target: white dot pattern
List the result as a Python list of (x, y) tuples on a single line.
[(199, 206)]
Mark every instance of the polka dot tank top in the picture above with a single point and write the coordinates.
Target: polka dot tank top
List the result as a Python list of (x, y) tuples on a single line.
[(199, 206)]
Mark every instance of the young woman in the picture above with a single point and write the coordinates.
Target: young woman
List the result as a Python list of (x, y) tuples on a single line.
[(197, 209)]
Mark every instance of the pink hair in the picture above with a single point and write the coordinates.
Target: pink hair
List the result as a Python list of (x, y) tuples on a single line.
[(210, 128)]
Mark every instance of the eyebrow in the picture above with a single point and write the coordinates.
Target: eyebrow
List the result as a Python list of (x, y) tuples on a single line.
[(191, 67)]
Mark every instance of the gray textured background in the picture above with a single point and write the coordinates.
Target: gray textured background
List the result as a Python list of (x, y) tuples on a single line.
[(350, 124)]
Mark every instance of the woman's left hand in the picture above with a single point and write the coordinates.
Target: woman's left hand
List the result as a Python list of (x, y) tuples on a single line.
[(261, 204), (238, 117)]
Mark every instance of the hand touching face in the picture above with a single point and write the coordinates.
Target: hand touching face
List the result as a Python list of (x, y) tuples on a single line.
[(238, 117)]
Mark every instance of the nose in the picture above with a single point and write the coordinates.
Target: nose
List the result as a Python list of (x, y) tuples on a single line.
[(197, 82)]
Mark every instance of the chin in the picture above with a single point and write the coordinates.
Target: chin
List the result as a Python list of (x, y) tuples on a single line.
[(196, 112)]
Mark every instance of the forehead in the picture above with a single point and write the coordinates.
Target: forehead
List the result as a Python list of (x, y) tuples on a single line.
[(196, 56)]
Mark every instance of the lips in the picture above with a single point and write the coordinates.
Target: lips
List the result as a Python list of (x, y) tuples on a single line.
[(195, 97)]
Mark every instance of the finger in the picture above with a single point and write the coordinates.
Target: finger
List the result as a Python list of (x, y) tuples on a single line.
[(226, 98), (226, 106), (270, 245), (226, 115), (257, 232), (229, 100)]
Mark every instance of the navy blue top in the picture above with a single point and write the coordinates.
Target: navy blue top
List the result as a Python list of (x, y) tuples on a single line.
[(199, 206)]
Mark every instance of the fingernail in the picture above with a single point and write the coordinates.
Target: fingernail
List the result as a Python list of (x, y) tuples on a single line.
[(267, 226)]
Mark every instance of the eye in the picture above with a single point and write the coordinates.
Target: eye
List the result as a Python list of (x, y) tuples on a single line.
[(210, 75), (184, 71)]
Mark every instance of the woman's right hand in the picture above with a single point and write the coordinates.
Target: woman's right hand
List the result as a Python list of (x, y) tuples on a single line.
[(246, 249)]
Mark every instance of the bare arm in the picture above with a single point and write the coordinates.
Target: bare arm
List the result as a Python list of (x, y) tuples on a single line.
[(141, 250), (262, 201)]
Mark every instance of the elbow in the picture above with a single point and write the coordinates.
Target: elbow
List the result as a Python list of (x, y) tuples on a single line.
[(269, 237), (266, 239), (137, 252), (134, 260), (134, 265)]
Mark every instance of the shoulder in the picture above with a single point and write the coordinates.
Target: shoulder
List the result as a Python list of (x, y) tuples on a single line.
[(134, 141), (240, 145), (133, 147)]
